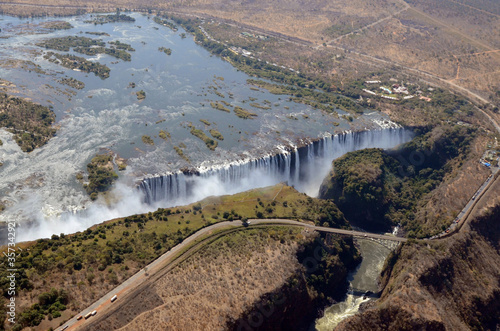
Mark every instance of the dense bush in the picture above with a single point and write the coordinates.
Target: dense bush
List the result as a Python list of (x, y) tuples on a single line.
[(376, 189), (101, 175), (31, 123), (49, 303)]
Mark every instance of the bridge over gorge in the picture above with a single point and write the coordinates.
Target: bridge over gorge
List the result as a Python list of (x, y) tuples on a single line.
[(177, 253), (330, 230), (360, 234)]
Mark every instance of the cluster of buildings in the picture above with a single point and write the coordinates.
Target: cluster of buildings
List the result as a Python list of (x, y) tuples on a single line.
[(251, 35), (490, 158), (241, 51), (400, 89), (391, 93)]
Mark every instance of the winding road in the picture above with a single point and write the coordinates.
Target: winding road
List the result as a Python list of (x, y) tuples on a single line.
[(177, 254)]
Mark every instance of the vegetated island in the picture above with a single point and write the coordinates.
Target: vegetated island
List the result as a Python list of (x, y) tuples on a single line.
[(64, 44), (74, 83), (119, 45), (101, 175), (242, 113), (88, 46), (58, 25), (117, 249), (216, 134), (103, 19), (30, 123), (180, 152), (167, 51), (259, 106), (79, 64), (98, 33), (211, 144), (166, 23), (147, 140), (164, 135), (219, 106), (141, 95)]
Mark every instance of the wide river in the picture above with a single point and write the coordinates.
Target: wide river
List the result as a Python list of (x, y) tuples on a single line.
[(41, 187)]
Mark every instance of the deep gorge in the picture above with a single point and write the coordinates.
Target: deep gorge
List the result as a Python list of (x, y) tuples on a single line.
[(303, 167)]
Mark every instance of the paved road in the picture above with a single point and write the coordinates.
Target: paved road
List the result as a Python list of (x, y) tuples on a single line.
[(142, 274), (325, 229), (166, 259), (463, 216), (170, 256)]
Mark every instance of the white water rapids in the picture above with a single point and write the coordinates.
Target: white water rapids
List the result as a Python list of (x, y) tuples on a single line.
[(363, 279)]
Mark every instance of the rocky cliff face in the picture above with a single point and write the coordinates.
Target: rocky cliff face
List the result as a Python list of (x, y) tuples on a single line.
[(416, 185), (451, 284), (359, 185), (296, 304)]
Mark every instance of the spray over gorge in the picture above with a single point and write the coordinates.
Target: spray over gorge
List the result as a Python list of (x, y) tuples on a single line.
[(187, 124), (212, 165)]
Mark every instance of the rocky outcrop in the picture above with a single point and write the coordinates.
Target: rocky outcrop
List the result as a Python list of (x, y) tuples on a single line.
[(451, 284)]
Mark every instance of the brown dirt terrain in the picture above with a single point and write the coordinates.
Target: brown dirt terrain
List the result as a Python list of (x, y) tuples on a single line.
[(411, 39), (89, 264), (469, 17), (448, 199), (215, 285), (298, 18), (454, 286), (430, 38), (448, 38)]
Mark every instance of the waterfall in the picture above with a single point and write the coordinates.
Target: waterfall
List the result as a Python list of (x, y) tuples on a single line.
[(304, 168)]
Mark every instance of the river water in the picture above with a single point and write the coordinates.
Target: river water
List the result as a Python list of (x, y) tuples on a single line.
[(363, 279), (41, 187)]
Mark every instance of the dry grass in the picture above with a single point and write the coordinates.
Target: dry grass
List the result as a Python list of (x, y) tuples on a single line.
[(217, 283), (428, 36), (53, 266), (448, 199), (430, 41)]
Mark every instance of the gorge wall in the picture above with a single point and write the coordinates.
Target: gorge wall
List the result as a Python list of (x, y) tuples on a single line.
[(303, 167), (450, 284)]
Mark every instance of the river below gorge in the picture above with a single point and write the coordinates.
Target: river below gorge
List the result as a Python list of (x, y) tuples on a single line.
[(361, 280)]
